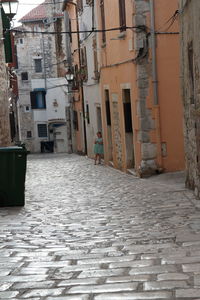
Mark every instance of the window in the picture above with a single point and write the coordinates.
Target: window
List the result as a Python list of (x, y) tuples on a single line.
[(29, 134), (70, 30), (108, 116), (127, 110), (21, 41), (122, 15), (191, 71), (42, 130), (96, 71), (87, 114), (24, 76), (38, 99), (75, 120), (38, 65), (75, 85), (84, 69), (103, 21), (27, 108), (80, 5), (90, 2)]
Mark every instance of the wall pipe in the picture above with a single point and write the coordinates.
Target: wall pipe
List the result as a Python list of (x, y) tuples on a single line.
[(153, 48), (155, 85)]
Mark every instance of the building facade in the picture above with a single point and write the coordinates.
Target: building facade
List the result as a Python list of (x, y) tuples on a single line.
[(89, 67), (139, 77), (71, 11), (4, 103), (43, 92), (190, 68)]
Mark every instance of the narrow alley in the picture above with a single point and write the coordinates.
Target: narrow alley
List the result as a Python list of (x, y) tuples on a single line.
[(93, 233)]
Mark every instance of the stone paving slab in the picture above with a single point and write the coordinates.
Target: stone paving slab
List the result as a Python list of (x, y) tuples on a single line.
[(93, 233)]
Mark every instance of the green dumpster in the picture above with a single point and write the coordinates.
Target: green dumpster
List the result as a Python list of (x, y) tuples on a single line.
[(12, 176)]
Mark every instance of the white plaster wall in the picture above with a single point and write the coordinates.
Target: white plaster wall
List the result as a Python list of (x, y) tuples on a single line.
[(54, 94), (91, 87)]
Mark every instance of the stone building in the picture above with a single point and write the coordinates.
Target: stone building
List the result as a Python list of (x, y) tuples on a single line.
[(4, 104), (140, 91), (43, 93), (190, 72)]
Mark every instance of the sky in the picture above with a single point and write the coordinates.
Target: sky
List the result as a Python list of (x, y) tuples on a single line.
[(24, 7)]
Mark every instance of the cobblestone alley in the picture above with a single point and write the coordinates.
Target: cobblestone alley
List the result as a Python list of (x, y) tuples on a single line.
[(93, 233)]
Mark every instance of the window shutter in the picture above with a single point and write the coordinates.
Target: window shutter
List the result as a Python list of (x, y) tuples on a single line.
[(44, 98), (103, 22), (33, 100), (7, 38), (96, 73), (128, 117), (85, 64), (122, 15)]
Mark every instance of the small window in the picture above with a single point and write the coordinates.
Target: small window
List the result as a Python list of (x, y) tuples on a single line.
[(38, 65), (29, 134), (103, 21), (24, 76), (108, 116), (27, 108), (38, 99), (21, 41), (42, 130), (122, 15), (75, 120), (80, 5), (87, 114), (127, 110)]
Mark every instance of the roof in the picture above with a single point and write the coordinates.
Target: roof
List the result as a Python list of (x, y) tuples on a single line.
[(38, 13)]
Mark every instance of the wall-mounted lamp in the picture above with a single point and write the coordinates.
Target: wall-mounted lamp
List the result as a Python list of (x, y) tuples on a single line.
[(69, 76), (10, 7)]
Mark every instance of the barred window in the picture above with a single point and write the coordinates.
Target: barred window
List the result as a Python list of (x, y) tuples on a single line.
[(42, 130)]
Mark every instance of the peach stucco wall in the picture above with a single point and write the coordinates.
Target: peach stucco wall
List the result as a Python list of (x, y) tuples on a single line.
[(168, 113), (168, 68)]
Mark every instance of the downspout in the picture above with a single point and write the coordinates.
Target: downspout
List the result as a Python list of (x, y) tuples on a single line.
[(153, 49), (82, 91), (155, 84), (69, 61)]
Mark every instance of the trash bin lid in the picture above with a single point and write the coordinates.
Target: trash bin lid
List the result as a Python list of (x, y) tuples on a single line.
[(12, 149)]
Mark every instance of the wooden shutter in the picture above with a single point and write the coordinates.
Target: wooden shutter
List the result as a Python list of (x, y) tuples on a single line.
[(103, 21), (33, 100), (96, 73), (122, 15)]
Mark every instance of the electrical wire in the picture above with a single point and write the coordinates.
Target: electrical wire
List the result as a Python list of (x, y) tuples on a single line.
[(171, 20), (76, 32)]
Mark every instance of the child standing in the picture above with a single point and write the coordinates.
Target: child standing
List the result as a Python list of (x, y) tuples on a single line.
[(98, 147)]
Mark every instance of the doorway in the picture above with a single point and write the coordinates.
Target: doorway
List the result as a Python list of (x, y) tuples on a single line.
[(109, 128), (126, 96)]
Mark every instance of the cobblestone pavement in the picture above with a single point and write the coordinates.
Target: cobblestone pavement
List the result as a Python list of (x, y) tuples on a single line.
[(93, 233)]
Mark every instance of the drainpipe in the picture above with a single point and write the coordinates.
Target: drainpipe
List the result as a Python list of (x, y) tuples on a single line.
[(155, 84), (82, 91), (153, 48)]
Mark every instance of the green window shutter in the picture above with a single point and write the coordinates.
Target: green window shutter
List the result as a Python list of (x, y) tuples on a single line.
[(7, 38)]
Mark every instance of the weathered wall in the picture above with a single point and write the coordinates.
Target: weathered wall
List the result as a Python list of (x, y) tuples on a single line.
[(91, 86), (161, 122), (51, 50), (190, 73), (4, 111)]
